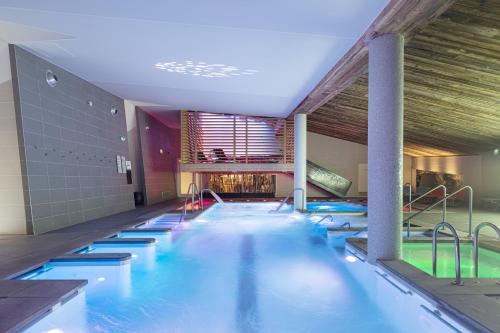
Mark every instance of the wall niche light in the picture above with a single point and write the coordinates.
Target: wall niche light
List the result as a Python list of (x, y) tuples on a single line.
[(114, 111), (122, 138), (496, 151), (161, 151), (90, 103), (147, 128), (51, 78)]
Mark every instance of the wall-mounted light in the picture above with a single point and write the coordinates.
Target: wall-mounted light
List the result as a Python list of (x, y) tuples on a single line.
[(122, 138), (147, 128), (90, 103), (51, 78), (114, 111), (161, 151)]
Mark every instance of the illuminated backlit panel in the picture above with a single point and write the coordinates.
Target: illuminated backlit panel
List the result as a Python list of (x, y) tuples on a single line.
[(221, 138)]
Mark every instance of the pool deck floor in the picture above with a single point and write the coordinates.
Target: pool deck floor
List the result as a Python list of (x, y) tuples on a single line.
[(475, 304)]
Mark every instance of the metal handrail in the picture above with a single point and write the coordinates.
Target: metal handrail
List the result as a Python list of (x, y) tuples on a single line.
[(324, 218), (193, 189), (458, 277), (216, 197), (471, 193), (346, 224), (476, 243), (288, 197), (426, 194)]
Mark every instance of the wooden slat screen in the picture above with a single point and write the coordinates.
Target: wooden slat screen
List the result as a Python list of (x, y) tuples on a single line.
[(220, 138)]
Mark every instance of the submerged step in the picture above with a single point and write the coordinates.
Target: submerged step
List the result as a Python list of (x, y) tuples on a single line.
[(125, 241), (159, 230), (93, 257)]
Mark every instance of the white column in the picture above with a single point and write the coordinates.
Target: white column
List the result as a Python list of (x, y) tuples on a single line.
[(300, 160), (385, 147)]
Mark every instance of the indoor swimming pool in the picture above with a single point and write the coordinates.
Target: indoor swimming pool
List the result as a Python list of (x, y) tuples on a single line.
[(237, 268), (336, 207), (419, 254)]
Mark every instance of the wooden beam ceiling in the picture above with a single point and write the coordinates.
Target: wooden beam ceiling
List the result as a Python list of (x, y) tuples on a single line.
[(452, 87)]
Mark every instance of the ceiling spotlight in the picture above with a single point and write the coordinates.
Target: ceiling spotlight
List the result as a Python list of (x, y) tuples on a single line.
[(51, 78)]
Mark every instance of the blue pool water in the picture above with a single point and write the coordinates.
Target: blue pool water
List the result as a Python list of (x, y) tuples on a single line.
[(336, 206), (236, 268)]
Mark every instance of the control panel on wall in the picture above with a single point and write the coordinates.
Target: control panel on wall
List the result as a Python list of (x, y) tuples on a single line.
[(124, 166)]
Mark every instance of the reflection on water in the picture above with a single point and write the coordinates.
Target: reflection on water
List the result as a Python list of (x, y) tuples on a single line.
[(247, 313)]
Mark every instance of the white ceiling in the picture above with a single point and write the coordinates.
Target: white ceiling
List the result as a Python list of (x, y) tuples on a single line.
[(280, 48)]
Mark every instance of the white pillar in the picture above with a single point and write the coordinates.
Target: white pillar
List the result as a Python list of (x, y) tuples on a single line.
[(300, 160), (385, 147)]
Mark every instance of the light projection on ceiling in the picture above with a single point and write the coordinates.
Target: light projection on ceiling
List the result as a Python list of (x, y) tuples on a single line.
[(203, 69)]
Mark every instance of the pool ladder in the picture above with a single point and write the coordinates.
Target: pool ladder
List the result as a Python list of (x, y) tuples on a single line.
[(288, 197), (475, 241), (458, 277)]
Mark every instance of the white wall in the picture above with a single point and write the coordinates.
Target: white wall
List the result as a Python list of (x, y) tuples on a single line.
[(12, 207), (490, 175)]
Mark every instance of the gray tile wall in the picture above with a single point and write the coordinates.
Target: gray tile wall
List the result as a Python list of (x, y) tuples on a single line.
[(159, 170), (68, 148)]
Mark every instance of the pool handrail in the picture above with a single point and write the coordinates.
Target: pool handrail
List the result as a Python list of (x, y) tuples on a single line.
[(456, 240), (471, 194), (475, 241), (215, 195), (409, 204), (193, 190), (288, 197), (324, 218)]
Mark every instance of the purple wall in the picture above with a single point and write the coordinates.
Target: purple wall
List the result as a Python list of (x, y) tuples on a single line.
[(160, 150)]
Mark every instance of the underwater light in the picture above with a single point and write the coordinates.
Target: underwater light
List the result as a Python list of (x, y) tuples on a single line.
[(351, 258), (135, 256), (101, 279), (54, 330)]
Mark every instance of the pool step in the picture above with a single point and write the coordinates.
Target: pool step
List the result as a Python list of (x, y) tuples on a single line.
[(92, 257), (125, 241), (156, 230)]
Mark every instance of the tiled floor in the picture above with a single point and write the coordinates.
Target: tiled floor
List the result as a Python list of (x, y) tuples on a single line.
[(23, 253), (459, 218)]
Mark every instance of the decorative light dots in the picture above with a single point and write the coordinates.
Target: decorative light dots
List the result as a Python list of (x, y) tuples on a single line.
[(203, 69)]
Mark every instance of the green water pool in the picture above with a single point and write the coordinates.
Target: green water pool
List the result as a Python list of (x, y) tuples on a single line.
[(420, 256)]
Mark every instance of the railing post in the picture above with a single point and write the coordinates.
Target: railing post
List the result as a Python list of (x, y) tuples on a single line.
[(471, 203)]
